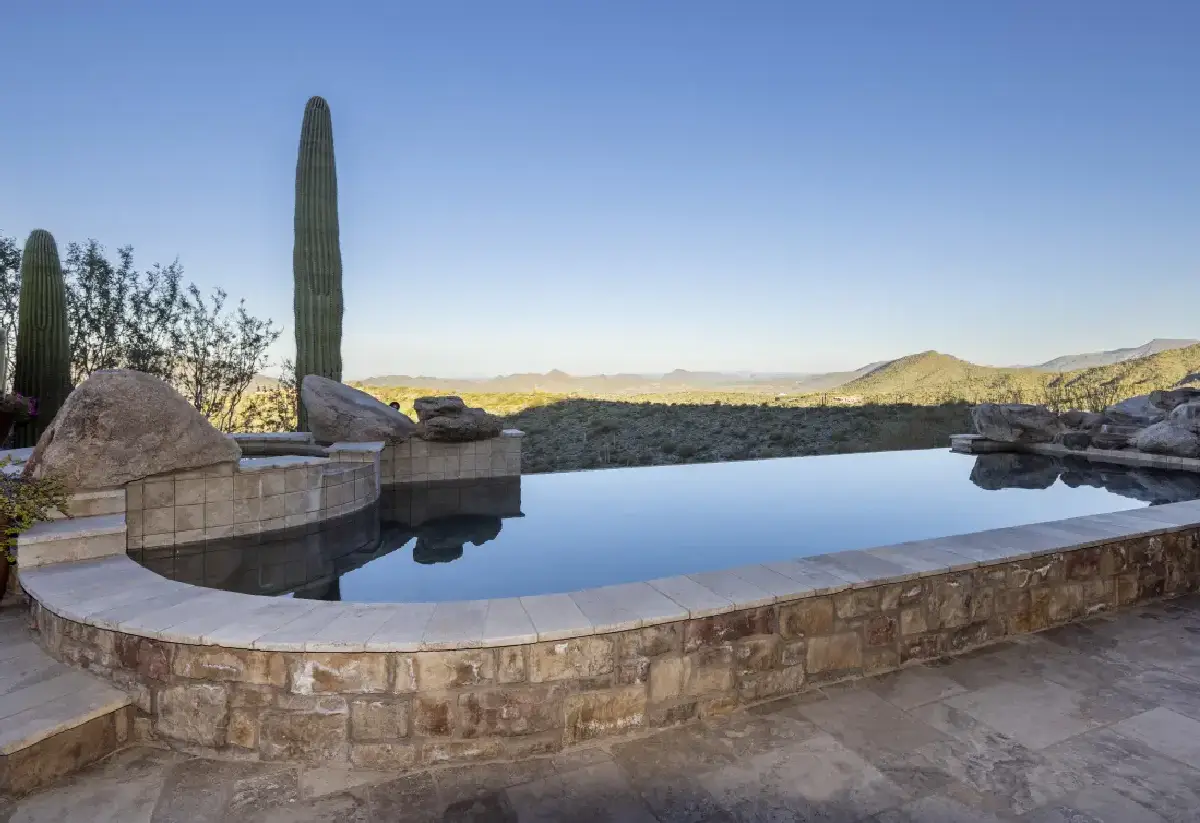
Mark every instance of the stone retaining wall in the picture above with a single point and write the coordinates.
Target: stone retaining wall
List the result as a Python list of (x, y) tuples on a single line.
[(396, 709)]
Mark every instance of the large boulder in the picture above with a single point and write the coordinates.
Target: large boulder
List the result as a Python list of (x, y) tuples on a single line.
[(1136, 411), (450, 420), (340, 414), (1168, 400), (1016, 422), (119, 426), (1187, 414), (1177, 438), (1076, 419)]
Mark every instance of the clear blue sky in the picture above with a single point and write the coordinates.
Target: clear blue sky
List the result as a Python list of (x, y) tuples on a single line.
[(639, 186)]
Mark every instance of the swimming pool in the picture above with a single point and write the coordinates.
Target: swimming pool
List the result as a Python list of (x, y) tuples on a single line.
[(542, 534)]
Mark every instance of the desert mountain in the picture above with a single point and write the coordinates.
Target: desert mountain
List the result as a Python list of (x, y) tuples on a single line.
[(1072, 362)]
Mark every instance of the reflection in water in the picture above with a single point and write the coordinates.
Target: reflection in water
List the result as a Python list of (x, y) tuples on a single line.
[(1034, 471), (436, 519)]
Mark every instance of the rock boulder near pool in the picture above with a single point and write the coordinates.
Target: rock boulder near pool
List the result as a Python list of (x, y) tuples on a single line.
[(1016, 422), (119, 426), (1173, 398), (1086, 421), (1075, 440), (450, 420), (1177, 437), (338, 413), (1136, 411)]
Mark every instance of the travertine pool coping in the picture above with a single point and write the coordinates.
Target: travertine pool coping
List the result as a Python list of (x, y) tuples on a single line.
[(117, 594), (978, 444)]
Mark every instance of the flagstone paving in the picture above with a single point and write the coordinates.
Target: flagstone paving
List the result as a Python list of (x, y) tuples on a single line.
[(1091, 723)]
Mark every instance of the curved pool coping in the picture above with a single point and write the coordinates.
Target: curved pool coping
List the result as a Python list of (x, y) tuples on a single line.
[(117, 594)]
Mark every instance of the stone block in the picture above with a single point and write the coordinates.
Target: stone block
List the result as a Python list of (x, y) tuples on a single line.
[(881, 630), (598, 714), (318, 735), (189, 492), (834, 653), (218, 489), (756, 654), (708, 671), (774, 683), (511, 664), (193, 713), (384, 756), (574, 659), (437, 671), (809, 617), (243, 729), (379, 720), (240, 665), (433, 715), (358, 673), (706, 632), (666, 678), (511, 712)]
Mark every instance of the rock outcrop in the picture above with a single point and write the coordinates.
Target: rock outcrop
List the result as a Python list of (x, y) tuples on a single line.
[(1075, 440), (1086, 421), (1016, 422), (1136, 411), (450, 420), (338, 413), (1176, 438), (119, 426), (1169, 400)]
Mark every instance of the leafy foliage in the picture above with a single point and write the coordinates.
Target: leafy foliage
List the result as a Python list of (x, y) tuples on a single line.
[(272, 408), (24, 502)]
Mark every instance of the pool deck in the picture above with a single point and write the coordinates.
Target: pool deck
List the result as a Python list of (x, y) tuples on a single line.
[(1095, 722)]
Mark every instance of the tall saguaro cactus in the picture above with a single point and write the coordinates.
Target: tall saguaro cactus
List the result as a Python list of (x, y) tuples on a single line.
[(317, 254), (43, 369)]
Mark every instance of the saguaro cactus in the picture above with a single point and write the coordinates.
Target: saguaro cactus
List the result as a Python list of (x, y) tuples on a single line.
[(317, 254), (43, 369)]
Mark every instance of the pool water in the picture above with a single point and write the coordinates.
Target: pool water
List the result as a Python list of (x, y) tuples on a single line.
[(550, 533)]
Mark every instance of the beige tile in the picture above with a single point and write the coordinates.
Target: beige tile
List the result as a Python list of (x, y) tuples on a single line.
[(133, 496), (189, 536), (247, 485), (218, 514), (252, 527), (419, 448), (294, 503), (133, 523), (158, 494), (158, 521), (219, 470), (217, 532), (295, 480), (218, 489), (293, 520), (188, 518), (247, 510), (154, 541), (312, 500), (189, 492), (273, 482), (273, 507)]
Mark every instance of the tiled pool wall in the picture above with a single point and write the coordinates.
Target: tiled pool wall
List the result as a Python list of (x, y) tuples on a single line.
[(416, 461), (258, 495), (392, 686)]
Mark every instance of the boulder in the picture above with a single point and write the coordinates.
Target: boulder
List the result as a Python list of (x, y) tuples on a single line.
[(1187, 414), (1110, 441), (1171, 437), (119, 426), (1168, 400), (448, 406), (338, 413), (1074, 440), (472, 424), (1136, 411), (450, 420), (1075, 419), (1016, 422)]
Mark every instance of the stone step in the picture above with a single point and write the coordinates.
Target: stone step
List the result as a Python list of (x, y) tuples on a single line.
[(80, 538), (54, 720)]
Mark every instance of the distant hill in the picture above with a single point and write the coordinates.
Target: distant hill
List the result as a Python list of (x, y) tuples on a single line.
[(1073, 362)]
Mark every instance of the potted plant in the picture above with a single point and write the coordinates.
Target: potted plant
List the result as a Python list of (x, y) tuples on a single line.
[(15, 408), (23, 502)]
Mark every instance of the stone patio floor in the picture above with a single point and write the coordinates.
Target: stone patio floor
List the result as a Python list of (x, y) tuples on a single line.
[(1092, 722)]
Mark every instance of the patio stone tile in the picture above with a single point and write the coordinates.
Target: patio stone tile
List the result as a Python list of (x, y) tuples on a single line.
[(863, 721), (818, 779), (914, 686), (699, 600), (409, 799), (457, 783), (627, 606), (748, 734), (1163, 688), (350, 630), (1166, 732), (934, 809), (595, 794), (1104, 758), (556, 616), (457, 624), (334, 778), (780, 586), (507, 623), (1095, 804), (740, 591), (822, 579), (341, 808), (860, 568), (403, 630), (292, 635), (1035, 714), (923, 558), (1172, 651)]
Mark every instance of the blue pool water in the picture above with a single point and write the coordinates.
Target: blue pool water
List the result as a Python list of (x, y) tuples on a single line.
[(561, 532)]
